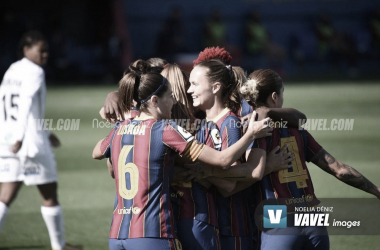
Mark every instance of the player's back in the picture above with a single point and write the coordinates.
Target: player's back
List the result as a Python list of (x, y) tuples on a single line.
[(294, 182), (22, 94), (142, 154)]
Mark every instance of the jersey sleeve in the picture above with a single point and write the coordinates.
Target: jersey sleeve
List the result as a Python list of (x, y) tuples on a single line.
[(181, 141), (105, 146), (313, 146), (30, 86)]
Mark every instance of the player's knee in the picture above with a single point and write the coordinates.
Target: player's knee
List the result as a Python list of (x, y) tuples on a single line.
[(52, 202), (7, 199)]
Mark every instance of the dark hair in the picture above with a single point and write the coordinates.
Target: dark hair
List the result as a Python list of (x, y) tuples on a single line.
[(262, 83), (157, 64), (179, 81), (139, 64), (219, 72), (138, 84), (29, 39)]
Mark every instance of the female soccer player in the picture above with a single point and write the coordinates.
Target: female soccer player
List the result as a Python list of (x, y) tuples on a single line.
[(212, 84), (111, 111), (30, 159), (266, 89), (292, 116), (142, 151)]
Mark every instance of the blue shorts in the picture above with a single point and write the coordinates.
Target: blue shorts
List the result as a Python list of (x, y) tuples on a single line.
[(145, 243), (236, 243), (197, 235), (295, 238)]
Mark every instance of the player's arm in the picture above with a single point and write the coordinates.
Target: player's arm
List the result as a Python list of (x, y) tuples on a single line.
[(240, 186), (223, 186), (30, 87), (258, 165), (97, 152), (344, 172), (290, 116), (228, 156), (103, 148), (248, 171)]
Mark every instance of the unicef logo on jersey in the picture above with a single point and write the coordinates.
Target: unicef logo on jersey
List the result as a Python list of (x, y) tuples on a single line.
[(135, 210), (216, 138)]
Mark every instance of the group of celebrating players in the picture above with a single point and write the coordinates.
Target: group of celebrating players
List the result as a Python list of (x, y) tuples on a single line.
[(178, 187)]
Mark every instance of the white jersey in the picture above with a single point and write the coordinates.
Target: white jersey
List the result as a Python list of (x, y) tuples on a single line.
[(22, 108)]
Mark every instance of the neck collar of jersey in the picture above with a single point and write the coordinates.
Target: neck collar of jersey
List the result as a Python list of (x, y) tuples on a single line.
[(220, 115), (139, 118)]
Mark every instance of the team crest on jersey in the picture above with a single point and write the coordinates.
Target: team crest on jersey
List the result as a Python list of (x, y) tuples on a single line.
[(215, 135)]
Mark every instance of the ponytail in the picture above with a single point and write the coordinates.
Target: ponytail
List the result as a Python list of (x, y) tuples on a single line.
[(219, 72), (138, 84)]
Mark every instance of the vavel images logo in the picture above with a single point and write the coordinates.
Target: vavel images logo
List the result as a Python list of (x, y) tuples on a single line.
[(275, 216)]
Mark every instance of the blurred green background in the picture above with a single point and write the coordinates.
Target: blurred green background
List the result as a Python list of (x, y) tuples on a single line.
[(86, 191)]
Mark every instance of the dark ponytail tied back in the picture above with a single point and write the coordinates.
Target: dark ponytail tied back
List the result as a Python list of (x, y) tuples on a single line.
[(137, 84)]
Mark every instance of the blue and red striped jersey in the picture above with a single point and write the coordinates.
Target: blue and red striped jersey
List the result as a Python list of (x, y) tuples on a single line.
[(232, 214), (294, 182), (195, 201), (245, 108), (142, 152)]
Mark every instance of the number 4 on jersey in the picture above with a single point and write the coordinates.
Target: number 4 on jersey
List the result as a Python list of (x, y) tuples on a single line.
[(296, 173)]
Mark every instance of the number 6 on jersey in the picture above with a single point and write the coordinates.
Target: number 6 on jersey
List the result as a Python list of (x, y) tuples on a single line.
[(133, 171)]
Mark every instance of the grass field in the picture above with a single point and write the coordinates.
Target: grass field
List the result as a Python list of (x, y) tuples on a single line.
[(86, 192)]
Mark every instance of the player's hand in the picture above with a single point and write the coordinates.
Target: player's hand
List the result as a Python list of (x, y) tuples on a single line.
[(259, 129), (111, 108), (199, 170), (54, 141), (16, 147), (276, 162), (205, 183), (185, 176)]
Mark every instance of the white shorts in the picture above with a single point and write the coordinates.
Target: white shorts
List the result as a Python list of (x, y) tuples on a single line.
[(32, 171)]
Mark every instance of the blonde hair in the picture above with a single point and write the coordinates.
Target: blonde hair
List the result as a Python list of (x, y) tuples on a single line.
[(262, 83), (179, 81)]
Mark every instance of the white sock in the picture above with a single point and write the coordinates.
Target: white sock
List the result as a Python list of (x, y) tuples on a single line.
[(53, 218), (3, 213)]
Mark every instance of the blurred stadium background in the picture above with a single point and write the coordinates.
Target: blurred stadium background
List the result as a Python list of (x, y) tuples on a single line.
[(91, 42)]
